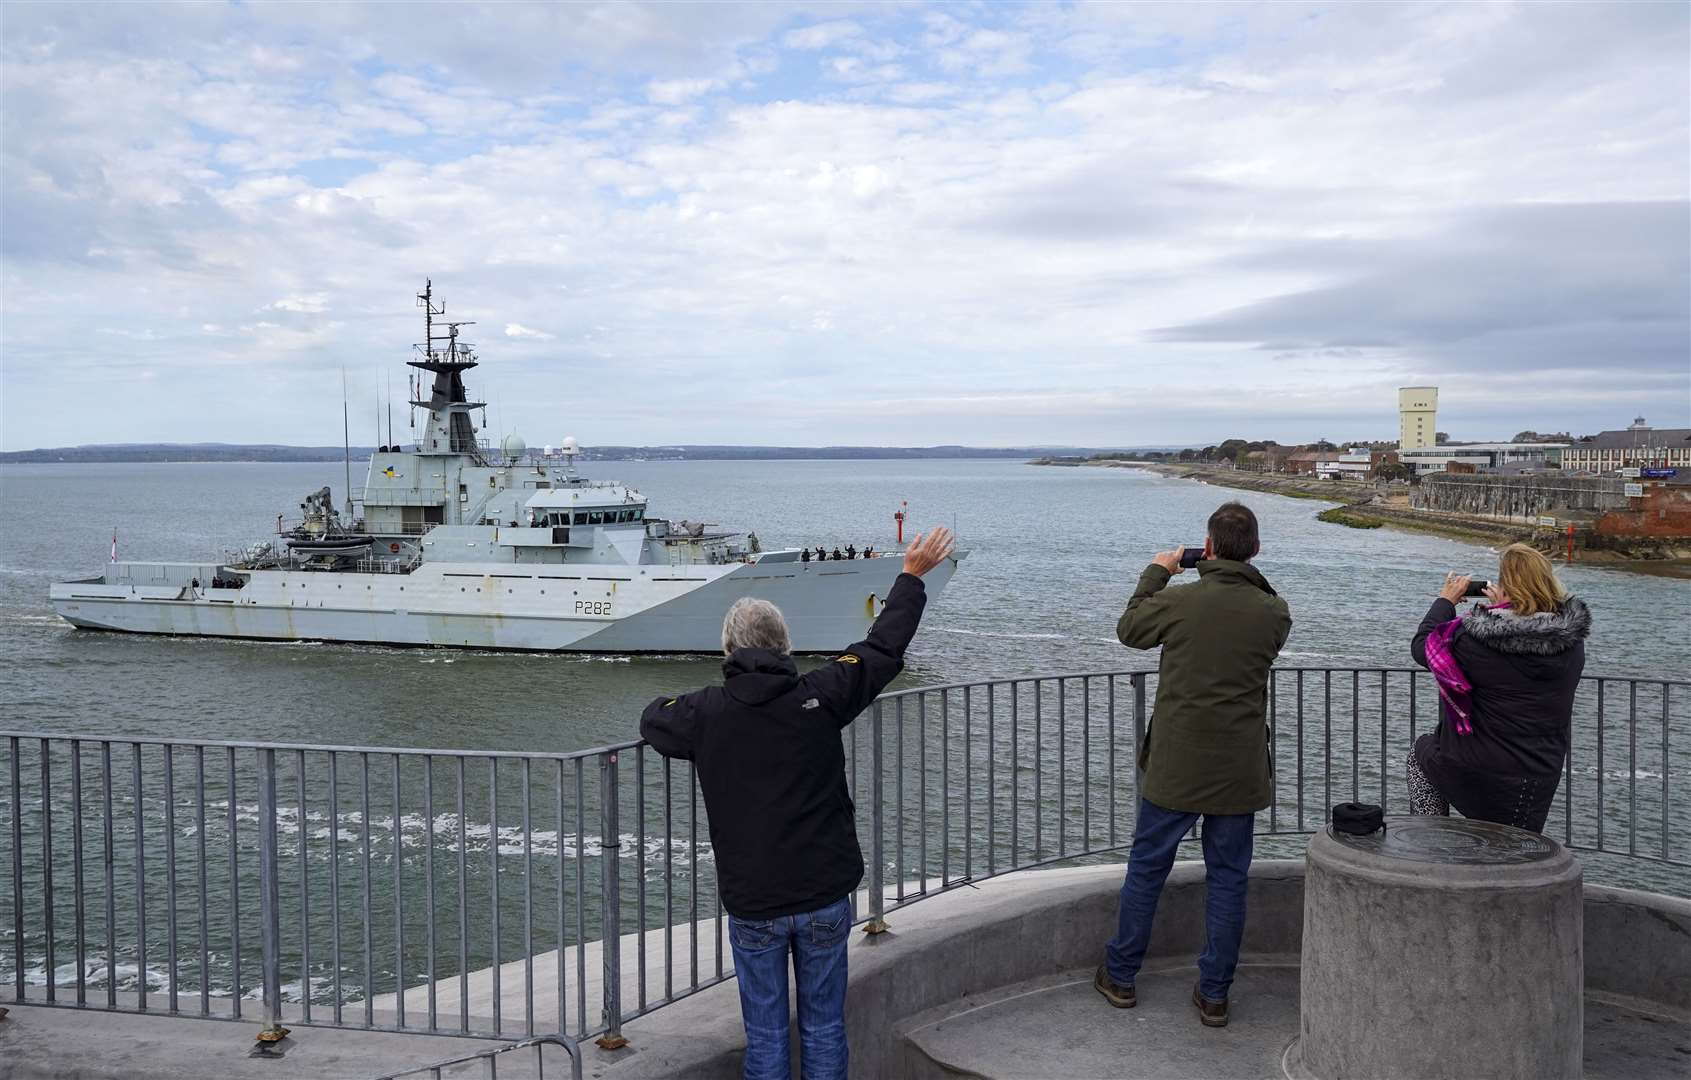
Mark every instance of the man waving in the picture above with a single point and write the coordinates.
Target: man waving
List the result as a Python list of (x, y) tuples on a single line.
[(766, 744)]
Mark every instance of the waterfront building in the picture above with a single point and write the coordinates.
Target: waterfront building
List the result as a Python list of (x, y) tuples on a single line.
[(1302, 463), (1637, 446), (1417, 416), (1352, 463), (1482, 457)]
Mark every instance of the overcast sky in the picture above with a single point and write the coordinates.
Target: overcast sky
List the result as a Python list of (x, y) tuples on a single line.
[(984, 224)]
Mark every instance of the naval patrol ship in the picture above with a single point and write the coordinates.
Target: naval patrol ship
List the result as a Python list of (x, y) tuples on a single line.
[(455, 543)]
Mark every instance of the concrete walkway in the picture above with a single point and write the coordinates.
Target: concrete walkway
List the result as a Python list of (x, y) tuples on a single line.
[(579, 998), (1058, 1026), (990, 981), (45, 1043)]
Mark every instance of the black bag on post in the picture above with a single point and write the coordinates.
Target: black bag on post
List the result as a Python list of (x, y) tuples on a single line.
[(1358, 819)]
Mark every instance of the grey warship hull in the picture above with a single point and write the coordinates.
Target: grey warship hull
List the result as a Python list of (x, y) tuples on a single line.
[(593, 609)]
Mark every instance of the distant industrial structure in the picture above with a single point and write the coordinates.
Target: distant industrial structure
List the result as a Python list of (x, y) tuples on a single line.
[(1417, 417), (1638, 446)]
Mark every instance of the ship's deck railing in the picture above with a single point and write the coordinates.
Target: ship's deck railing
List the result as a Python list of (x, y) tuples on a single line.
[(508, 894)]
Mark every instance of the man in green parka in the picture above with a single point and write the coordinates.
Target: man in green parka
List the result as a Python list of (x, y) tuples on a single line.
[(1206, 753)]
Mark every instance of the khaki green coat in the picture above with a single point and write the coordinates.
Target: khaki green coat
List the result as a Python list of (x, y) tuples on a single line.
[(1207, 748)]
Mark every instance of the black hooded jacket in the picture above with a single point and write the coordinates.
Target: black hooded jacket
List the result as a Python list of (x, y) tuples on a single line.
[(771, 766), (1524, 671)]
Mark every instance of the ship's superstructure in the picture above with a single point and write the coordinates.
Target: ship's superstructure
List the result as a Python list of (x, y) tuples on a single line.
[(455, 542)]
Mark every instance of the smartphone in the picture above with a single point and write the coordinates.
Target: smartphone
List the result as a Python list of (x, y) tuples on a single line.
[(1476, 587), (1190, 555)]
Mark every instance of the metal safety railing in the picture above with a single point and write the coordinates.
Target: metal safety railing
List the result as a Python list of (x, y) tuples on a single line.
[(510, 895)]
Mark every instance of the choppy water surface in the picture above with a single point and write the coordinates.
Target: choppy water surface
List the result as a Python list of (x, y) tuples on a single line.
[(1053, 555)]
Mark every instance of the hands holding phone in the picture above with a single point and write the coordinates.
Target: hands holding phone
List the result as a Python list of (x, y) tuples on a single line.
[(1460, 587), (1179, 560)]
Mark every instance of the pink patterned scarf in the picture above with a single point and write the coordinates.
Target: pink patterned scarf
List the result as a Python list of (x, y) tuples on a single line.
[(1454, 689)]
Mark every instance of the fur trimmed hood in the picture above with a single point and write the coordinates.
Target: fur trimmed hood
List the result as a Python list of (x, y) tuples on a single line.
[(1548, 633)]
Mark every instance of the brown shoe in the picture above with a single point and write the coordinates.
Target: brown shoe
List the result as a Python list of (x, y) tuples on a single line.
[(1210, 1013), (1122, 997)]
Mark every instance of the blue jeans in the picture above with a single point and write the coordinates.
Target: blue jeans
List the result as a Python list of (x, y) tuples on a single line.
[(1227, 840), (817, 942)]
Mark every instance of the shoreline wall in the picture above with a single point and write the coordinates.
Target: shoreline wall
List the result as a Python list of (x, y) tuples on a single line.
[(1663, 511), (1520, 498)]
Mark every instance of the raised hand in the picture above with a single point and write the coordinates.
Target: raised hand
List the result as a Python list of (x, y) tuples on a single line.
[(927, 551)]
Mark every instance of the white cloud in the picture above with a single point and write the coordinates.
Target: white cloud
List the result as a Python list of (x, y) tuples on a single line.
[(1012, 202), (310, 303), (679, 91), (518, 330), (821, 35)]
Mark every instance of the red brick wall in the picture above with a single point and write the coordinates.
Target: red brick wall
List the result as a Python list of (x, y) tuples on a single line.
[(1663, 511)]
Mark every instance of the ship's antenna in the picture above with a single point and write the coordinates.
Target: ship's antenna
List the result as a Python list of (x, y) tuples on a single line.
[(346, 443), (390, 406)]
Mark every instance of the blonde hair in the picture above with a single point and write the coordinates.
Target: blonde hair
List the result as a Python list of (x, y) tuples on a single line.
[(1529, 580)]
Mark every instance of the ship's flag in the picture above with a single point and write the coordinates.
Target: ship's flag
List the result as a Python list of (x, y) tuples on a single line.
[(114, 545)]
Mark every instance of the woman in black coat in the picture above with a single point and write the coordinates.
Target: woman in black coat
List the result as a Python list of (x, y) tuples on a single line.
[(1506, 675)]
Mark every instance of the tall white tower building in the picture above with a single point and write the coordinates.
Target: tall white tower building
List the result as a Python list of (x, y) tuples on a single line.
[(1417, 416)]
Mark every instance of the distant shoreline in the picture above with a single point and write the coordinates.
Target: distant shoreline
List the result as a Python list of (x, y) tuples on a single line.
[(196, 453), (1296, 487), (1662, 558)]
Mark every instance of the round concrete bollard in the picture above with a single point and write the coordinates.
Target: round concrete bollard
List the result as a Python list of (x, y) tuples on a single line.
[(1440, 948)]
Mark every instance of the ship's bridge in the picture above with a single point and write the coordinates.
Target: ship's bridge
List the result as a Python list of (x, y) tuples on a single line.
[(606, 504)]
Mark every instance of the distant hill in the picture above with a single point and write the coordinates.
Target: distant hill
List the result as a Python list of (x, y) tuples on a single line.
[(163, 452), (132, 452)]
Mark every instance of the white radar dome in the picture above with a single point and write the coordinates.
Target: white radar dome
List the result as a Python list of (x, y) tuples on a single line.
[(570, 445), (513, 447)]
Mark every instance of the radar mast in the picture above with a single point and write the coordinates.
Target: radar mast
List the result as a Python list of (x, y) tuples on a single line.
[(449, 429)]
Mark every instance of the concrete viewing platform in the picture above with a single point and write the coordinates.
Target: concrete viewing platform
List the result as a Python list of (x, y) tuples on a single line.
[(996, 982), (992, 981)]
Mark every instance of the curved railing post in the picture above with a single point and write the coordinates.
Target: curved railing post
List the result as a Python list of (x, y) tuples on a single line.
[(877, 843), (269, 905), (1138, 680), (610, 899)]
